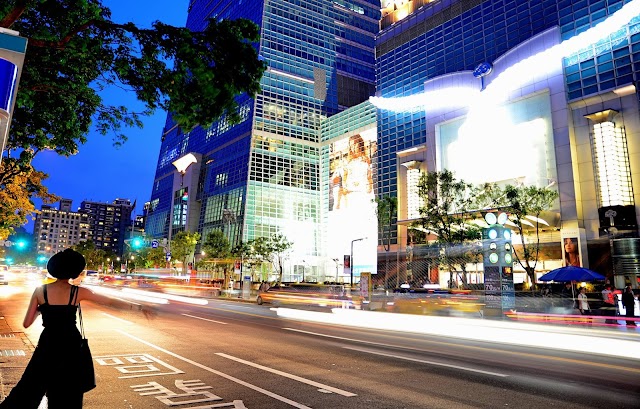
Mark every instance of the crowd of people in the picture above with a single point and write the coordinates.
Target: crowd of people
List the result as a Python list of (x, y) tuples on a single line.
[(607, 302)]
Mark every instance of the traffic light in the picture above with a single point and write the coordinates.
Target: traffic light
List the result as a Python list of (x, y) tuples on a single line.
[(9, 260), (137, 243), (498, 264), (496, 241), (21, 244), (41, 258)]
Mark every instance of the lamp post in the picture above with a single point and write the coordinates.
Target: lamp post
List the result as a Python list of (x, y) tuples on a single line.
[(351, 260)]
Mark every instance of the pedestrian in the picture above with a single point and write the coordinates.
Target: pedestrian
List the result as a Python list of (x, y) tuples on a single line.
[(608, 304), (567, 297), (54, 367), (583, 304), (629, 303)]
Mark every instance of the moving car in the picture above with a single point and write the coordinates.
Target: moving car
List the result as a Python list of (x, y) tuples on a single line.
[(306, 294)]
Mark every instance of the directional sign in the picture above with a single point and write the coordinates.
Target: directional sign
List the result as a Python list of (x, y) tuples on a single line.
[(154, 244), (168, 256)]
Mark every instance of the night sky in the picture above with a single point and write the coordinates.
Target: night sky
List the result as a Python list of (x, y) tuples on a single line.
[(100, 171)]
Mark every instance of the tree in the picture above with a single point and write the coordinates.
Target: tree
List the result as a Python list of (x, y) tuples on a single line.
[(445, 214), (18, 184), (274, 250), (183, 246), (155, 257), (216, 245), (217, 250), (386, 209), (94, 257), (75, 51), (525, 205)]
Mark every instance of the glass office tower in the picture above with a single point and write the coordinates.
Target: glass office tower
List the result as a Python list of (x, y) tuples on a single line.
[(573, 104), (263, 175)]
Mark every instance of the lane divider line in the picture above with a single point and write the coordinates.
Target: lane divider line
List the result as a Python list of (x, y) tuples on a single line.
[(205, 319), (117, 318), (221, 374), (324, 387), (423, 361), (389, 355)]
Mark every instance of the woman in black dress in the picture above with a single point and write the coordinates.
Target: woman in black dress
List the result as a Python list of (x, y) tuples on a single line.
[(53, 369)]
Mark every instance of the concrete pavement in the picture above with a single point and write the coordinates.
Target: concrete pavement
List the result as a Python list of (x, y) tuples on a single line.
[(15, 351)]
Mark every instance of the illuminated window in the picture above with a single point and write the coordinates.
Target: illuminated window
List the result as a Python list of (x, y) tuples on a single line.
[(611, 160)]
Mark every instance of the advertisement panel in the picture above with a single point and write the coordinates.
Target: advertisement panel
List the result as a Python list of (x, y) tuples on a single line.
[(352, 223)]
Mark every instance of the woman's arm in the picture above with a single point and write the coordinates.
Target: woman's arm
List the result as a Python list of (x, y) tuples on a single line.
[(85, 293), (32, 310)]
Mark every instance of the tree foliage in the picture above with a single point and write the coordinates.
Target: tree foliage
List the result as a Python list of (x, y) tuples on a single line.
[(216, 245), (183, 245), (525, 205), (75, 51), (93, 256), (386, 212), (18, 184), (274, 249), (445, 214)]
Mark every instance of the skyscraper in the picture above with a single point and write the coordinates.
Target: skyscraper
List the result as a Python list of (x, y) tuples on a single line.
[(263, 175), (563, 97)]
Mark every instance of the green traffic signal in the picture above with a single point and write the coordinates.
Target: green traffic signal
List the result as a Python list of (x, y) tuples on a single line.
[(21, 244), (137, 243), (9, 260)]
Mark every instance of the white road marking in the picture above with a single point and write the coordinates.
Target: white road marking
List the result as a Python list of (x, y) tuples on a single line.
[(205, 319), (422, 361), (323, 387), (222, 374), (117, 318), (394, 356)]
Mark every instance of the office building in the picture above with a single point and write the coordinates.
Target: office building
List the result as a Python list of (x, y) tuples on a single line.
[(553, 102), (58, 229), (109, 223), (265, 174)]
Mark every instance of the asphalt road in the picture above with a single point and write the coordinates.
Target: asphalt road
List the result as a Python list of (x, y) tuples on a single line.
[(230, 354)]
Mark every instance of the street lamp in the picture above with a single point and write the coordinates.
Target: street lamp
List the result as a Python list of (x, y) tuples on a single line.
[(351, 260)]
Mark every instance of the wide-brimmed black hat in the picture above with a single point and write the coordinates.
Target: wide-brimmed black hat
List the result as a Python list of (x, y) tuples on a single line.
[(66, 264)]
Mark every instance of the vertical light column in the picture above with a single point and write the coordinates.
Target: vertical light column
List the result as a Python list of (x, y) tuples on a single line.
[(611, 160), (414, 201)]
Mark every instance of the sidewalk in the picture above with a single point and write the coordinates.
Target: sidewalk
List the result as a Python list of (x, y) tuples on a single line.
[(15, 352)]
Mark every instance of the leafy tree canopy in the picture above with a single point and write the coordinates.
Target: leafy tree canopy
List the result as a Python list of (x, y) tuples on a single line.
[(216, 245), (75, 51)]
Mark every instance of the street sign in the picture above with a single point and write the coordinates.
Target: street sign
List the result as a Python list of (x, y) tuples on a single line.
[(154, 244), (168, 256)]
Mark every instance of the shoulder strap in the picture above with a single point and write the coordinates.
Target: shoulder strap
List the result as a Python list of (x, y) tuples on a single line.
[(73, 295), (44, 290), (81, 324)]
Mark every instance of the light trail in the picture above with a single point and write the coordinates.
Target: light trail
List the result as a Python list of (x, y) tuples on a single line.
[(478, 330)]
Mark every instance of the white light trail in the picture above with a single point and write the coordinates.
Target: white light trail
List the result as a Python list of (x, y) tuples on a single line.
[(505, 332), (170, 297), (124, 296)]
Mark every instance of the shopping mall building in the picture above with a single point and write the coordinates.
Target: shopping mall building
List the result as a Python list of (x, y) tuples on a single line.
[(539, 92)]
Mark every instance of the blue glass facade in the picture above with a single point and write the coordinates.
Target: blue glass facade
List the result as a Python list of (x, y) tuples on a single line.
[(449, 36), (266, 170)]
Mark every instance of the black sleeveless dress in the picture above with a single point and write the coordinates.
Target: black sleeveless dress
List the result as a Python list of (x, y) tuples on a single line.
[(53, 368)]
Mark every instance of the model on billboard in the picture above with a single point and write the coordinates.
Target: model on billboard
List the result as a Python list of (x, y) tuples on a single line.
[(353, 181), (571, 252)]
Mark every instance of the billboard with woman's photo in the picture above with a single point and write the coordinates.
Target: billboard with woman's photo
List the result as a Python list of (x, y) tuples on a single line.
[(352, 215)]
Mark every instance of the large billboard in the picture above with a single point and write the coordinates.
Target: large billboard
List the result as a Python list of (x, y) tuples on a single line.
[(508, 144), (352, 220)]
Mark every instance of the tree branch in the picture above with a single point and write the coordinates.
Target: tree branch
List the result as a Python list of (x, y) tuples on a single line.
[(14, 15)]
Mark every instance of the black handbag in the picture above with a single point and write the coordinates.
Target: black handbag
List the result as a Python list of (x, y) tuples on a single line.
[(87, 374)]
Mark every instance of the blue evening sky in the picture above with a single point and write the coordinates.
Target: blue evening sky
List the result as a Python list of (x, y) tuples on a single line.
[(100, 171)]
